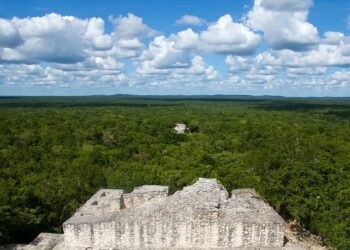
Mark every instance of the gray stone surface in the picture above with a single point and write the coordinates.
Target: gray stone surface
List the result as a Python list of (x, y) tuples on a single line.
[(294, 246), (200, 216), (105, 201), (143, 194), (44, 241)]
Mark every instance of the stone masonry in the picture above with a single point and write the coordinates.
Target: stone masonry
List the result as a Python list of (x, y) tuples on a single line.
[(180, 128), (201, 216)]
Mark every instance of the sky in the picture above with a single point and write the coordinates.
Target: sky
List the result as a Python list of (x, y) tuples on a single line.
[(158, 47)]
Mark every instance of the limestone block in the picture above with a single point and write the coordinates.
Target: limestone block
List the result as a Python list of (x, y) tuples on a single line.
[(103, 202), (201, 216), (143, 194), (44, 241)]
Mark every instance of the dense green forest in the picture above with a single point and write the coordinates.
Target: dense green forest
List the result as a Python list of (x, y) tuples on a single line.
[(56, 152)]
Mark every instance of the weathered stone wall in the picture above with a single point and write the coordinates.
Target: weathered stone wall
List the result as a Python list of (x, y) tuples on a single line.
[(105, 201), (201, 216), (143, 194), (165, 235)]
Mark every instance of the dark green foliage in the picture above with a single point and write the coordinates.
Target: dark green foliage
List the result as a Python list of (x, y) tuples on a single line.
[(56, 152)]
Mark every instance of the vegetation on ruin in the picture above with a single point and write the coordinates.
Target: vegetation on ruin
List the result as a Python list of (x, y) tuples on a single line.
[(56, 152)]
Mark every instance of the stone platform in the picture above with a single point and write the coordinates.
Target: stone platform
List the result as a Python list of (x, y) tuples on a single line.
[(201, 216)]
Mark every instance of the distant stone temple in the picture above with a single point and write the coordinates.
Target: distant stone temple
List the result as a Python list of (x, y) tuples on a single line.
[(201, 216), (180, 128)]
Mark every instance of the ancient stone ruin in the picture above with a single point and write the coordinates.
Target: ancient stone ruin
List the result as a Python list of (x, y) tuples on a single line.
[(180, 128), (201, 216)]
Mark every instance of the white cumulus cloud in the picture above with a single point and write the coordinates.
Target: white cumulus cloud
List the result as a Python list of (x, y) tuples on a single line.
[(9, 35), (131, 26), (52, 38), (190, 20), (172, 56), (228, 37), (71, 52), (284, 23)]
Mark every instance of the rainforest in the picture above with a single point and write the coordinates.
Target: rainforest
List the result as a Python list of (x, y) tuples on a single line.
[(55, 152)]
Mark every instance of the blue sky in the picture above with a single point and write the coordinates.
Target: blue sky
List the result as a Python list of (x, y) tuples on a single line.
[(257, 47)]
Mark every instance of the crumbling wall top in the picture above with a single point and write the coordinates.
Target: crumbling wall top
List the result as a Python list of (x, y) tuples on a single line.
[(144, 193), (151, 189), (105, 201), (199, 216)]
